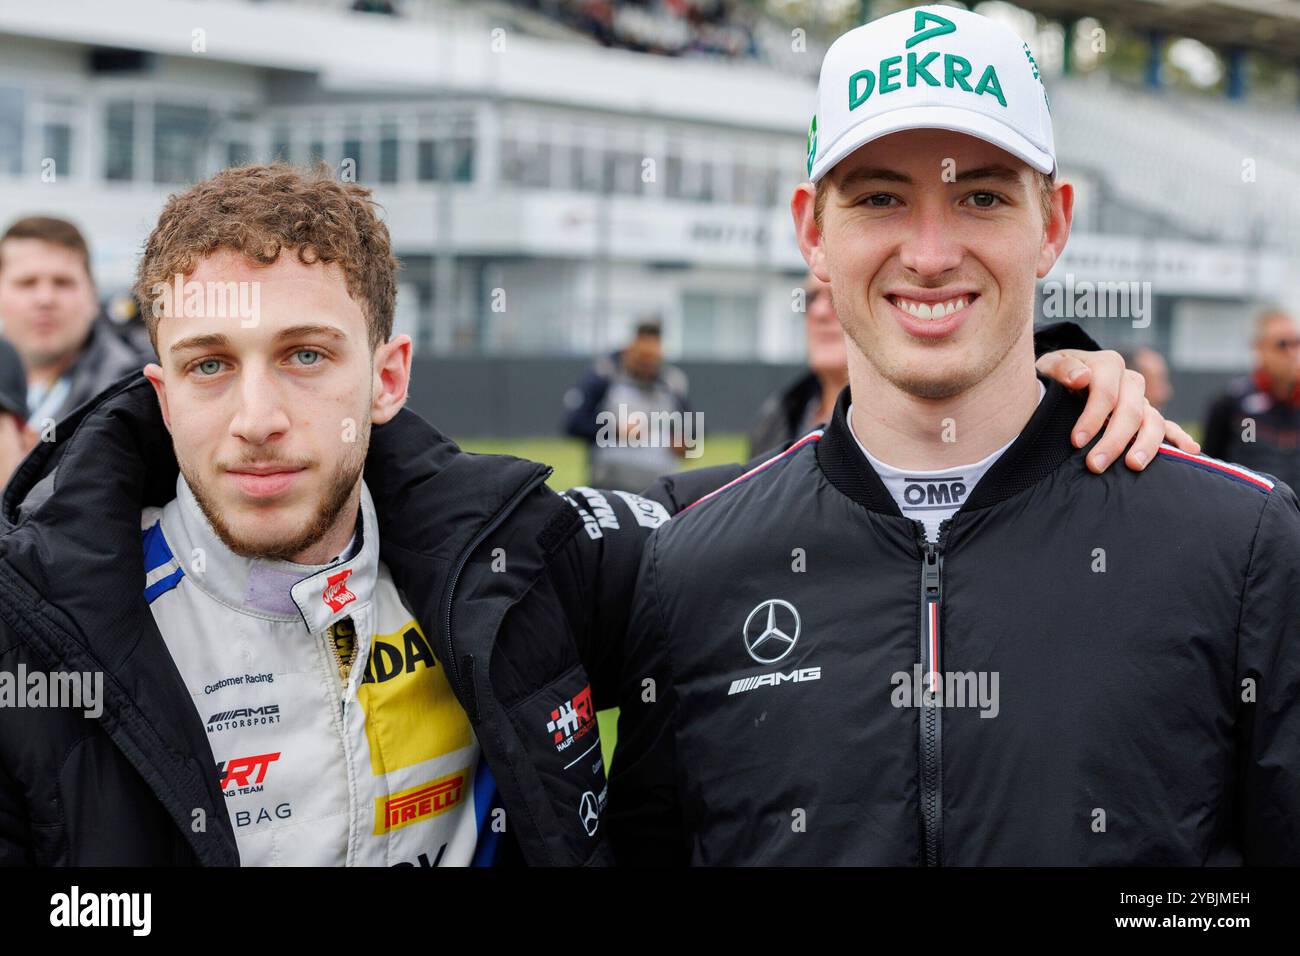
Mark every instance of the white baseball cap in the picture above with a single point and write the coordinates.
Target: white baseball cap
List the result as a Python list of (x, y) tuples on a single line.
[(930, 67)]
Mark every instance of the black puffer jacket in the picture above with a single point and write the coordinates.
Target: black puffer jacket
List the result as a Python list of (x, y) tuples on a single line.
[(1121, 655), (127, 787)]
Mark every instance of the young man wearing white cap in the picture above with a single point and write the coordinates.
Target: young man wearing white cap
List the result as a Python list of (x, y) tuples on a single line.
[(925, 634)]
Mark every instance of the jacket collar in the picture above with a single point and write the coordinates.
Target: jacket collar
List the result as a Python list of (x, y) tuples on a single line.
[(1043, 445), (315, 595)]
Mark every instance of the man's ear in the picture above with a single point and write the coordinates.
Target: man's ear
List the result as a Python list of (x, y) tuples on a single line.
[(154, 373), (392, 372), (809, 237), (1058, 230)]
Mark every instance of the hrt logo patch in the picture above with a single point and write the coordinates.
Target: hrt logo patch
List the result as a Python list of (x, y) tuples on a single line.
[(336, 593), (572, 720), (237, 771)]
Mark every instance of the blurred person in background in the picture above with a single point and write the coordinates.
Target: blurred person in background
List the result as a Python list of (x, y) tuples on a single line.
[(48, 306), (617, 390), (1151, 365), (808, 401), (1256, 421), (15, 437), (123, 315)]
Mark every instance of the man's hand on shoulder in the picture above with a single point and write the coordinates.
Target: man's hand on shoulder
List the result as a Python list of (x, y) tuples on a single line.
[(1117, 393)]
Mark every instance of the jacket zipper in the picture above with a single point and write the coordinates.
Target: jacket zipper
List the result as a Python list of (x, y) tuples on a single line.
[(931, 723), (452, 665), (333, 651)]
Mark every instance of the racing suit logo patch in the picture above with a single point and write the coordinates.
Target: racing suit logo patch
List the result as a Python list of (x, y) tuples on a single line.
[(336, 593), (412, 715), (237, 771), (572, 720), (419, 803)]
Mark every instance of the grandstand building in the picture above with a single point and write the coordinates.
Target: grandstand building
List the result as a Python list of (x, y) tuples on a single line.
[(545, 191)]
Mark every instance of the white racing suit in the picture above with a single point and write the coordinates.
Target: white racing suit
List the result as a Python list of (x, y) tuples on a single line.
[(321, 763)]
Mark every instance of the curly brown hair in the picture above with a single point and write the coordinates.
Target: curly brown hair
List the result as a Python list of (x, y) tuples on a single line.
[(259, 211)]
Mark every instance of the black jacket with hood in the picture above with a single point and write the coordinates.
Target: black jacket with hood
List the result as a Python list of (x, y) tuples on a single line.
[(137, 785)]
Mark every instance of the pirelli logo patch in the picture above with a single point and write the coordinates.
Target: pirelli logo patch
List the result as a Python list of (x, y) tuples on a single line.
[(419, 803)]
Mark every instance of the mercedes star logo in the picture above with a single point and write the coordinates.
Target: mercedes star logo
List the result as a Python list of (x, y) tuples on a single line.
[(771, 631), (589, 813)]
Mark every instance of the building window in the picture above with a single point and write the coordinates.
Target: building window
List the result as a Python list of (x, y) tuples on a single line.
[(119, 141), (11, 130), (623, 173), (280, 144), (584, 169), (352, 150), (452, 159), (388, 150), (57, 145), (426, 165), (719, 325), (688, 179), (526, 163), (238, 153), (180, 143)]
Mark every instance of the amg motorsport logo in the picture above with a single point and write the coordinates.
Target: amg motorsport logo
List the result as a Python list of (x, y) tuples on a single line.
[(572, 720), (770, 634), (743, 684), (771, 630), (244, 717)]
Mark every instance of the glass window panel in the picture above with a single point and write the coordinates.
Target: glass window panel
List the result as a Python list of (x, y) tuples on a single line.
[(180, 142), (119, 141), (12, 104)]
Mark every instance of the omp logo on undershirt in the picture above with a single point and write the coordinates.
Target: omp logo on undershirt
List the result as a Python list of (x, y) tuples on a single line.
[(926, 494), (411, 713)]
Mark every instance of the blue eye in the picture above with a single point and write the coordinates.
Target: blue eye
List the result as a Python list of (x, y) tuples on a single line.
[(209, 366), (314, 359)]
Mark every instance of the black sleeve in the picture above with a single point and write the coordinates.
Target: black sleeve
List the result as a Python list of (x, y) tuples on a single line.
[(1268, 689), (595, 575), (1062, 335), (644, 814), (1219, 426), (14, 850)]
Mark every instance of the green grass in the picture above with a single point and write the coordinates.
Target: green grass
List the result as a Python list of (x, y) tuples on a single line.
[(568, 457)]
